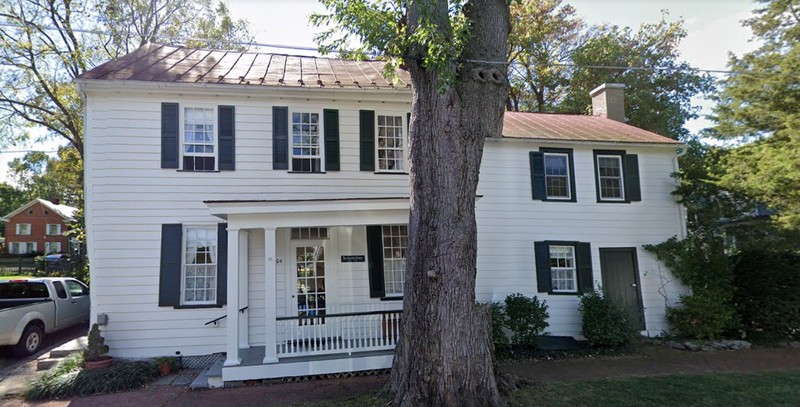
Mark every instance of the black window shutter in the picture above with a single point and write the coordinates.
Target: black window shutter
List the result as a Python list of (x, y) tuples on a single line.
[(331, 119), (375, 260), (170, 135), (584, 264), (222, 264), (169, 282), (367, 139), (537, 175), (227, 138), (543, 279), (280, 138), (633, 191)]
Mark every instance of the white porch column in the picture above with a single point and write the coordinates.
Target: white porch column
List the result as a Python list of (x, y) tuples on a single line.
[(244, 283), (232, 339), (270, 288)]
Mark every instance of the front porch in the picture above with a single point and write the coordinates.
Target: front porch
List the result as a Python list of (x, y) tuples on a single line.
[(298, 294), (336, 343)]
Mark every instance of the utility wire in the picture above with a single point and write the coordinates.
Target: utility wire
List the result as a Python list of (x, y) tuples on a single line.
[(27, 151), (183, 40)]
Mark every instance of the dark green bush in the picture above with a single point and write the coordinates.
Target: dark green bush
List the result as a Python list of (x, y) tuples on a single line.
[(768, 294), (526, 318), (700, 263), (68, 379), (605, 323), (499, 337), (705, 314)]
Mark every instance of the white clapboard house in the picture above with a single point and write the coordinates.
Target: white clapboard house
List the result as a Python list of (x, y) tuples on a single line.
[(256, 205)]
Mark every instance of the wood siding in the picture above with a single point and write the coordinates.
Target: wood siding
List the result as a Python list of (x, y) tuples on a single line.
[(129, 196)]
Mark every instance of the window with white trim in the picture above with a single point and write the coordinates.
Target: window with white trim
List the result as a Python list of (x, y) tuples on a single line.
[(23, 229), (52, 247), (54, 229), (314, 233), (563, 272), (390, 144), (306, 142), (395, 249), (199, 144), (199, 279), (556, 175), (21, 247), (610, 177)]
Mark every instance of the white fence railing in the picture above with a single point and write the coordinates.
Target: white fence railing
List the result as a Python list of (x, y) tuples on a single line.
[(338, 333)]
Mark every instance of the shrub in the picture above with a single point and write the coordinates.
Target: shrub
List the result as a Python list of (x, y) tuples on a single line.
[(526, 318), (605, 323), (499, 337), (768, 294), (705, 314), (67, 379), (96, 348), (700, 263)]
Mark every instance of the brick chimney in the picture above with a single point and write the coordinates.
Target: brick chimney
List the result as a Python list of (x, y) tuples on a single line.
[(608, 100)]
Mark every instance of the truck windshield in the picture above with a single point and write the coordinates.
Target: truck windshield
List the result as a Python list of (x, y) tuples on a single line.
[(23, 290)]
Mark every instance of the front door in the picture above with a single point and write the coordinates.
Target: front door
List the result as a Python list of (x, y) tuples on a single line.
[(621, 280), (308, 284)]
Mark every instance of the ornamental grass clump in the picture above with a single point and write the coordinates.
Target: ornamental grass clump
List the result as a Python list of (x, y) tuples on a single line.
[(70, 379)]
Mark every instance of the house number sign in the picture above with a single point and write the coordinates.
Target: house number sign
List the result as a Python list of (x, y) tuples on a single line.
[(360, 258)]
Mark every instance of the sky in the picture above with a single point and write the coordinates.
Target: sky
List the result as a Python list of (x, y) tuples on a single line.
[(713, 30)]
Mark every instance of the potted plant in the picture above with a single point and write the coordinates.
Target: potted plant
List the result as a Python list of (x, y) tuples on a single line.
[(95, 355), (165, 364)]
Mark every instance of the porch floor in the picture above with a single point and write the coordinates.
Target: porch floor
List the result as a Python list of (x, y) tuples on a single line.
[(252, 366)]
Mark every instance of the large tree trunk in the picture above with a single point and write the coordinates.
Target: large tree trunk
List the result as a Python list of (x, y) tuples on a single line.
[(445, 353)]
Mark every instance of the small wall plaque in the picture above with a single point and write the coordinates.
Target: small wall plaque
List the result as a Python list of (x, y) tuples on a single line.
[(353, 258)]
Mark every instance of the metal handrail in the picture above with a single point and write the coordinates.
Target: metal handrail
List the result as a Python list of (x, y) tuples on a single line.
[(214, 321)]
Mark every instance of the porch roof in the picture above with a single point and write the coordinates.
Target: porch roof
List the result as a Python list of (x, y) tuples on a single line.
[(226, 208)]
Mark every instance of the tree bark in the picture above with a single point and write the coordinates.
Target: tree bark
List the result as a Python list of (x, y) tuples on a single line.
[(445, 353)]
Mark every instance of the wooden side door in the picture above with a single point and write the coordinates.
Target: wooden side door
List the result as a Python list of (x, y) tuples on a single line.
[(620, 270)]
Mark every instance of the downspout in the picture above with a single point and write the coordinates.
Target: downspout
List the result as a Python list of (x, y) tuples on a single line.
[(680, 152)]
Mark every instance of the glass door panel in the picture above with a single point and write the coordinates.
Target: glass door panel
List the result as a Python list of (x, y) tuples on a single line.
[(310, 284)]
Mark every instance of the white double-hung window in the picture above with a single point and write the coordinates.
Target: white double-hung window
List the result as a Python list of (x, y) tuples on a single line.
[(199, 144), (395, 249), (556, 175), (391, 144), (53, 229), (23, 229), (610, 178), (21, 247), (199, 274), (306, 141), (52, 247), (562, 269)]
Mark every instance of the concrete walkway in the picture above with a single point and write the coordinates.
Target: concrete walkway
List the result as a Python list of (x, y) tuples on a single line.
[(651, 360), (14, 378)]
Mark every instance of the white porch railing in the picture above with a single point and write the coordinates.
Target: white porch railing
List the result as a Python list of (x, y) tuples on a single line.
[(338, 333)]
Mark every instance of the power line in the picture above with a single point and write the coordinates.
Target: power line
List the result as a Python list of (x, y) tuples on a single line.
[(27, 151), (183, 40)]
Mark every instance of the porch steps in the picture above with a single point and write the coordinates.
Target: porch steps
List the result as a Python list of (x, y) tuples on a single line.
[(211, 377), (59, 353)]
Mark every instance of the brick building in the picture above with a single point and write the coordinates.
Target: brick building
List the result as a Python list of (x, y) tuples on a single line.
[(38, 227)]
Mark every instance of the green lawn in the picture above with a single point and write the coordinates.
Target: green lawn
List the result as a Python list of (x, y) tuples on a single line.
[(728, 389)]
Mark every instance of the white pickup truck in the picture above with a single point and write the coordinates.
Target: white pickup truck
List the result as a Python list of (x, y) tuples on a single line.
[(31, 307)]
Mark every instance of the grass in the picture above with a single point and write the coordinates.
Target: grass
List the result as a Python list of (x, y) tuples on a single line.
[(717, 389), (702, 390), (69, 379)]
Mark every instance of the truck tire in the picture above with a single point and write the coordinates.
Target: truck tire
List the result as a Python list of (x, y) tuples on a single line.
[(31, 341)]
